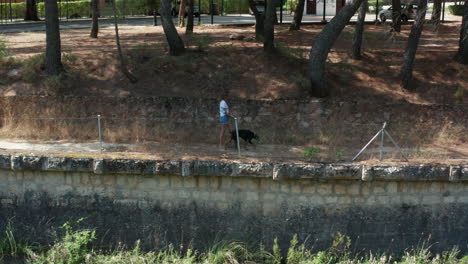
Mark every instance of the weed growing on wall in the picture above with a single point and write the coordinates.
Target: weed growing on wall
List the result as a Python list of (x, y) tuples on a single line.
[(10, 246), (74, 247)]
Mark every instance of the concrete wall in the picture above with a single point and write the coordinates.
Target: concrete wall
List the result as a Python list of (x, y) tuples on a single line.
[(389, 208)]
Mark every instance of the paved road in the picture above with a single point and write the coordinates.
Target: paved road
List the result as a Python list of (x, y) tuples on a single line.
[(145, 21)]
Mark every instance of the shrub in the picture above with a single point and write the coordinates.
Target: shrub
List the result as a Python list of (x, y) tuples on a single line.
[(70, 249), (277, 257), (310, 152), (297, 254), (456, 10), (17, 9), (10, 246), (70, 9), (137, 7), (33, 66), (3, 49)]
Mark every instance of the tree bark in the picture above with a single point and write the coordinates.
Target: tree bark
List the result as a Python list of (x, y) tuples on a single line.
[(259, 21), (357, 40), (396, 15), (462, 54), (183, 4), (412, 46), (269, 31), (123, 63), (95, 15), (296, 23), (31, 11), (436, 12), (322, 44), (176, 45), (189, 29), (53, 59)]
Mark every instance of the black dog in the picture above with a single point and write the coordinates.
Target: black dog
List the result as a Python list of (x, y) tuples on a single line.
[(245, 134)]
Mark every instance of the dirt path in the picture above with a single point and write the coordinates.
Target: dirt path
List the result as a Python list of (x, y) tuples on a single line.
[(278, 153)]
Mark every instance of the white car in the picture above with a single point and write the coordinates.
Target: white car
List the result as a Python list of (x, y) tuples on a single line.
[(407, 12)]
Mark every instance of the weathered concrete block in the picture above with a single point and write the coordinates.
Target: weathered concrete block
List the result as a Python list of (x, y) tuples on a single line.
[(291, 171), (168, 167), (459, 173), (68, 164), (28, 162), (259, 169), (408, 172), (342, 171), (57, 164), (98, 166), (5, 162), (212, 168), (81, 164), (129, 166), (187, 168)]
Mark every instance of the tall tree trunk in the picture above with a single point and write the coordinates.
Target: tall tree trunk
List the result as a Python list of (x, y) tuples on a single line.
[(123, 63), (322, 44), (53, 59), (176, 45), (189, 28), (269, 31), (95, 15), (31, 11), (462, 54), (183, 4), (436, 12), (357, 40), (296, 23), (259, 21), (396, 15), (412, 46)]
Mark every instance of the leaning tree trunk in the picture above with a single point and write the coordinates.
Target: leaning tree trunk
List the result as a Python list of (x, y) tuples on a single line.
[(189, 28), (296, 23), (462, 54), (322, 44), (396, 15), (95, 15), (413, 40), (176, 45), (123, 64), (269, 31), (436, 12), (53, 59), (357, 40), (183, 3), (31, 11), (259, 21)]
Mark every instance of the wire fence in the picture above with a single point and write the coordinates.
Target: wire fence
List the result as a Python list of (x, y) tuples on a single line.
[(139, 134), (13, 11)]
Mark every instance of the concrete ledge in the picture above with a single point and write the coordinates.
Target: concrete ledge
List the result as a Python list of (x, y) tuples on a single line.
[(277, 171), (418, 173)]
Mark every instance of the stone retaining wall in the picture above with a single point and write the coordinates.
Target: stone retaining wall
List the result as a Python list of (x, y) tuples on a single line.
[(383, 208)]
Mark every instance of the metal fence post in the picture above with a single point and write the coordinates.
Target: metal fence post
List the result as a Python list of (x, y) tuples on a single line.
[(381, 145), (237, 136), (99, 131), (324, 20), (281, 12)]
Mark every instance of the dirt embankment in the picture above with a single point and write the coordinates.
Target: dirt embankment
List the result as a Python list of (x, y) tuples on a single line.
[(215, 62)]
